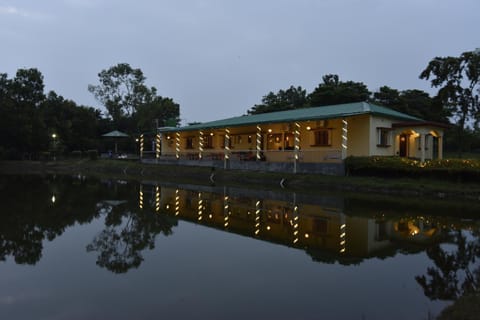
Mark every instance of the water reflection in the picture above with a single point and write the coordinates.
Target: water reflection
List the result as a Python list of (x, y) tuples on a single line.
[(456, 271), (328, 228), (320, 226)]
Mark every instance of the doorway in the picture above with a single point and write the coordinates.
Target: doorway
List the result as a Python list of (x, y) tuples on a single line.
[(403, 148)]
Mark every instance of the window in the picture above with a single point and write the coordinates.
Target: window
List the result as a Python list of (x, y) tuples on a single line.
[(383, 137), (208, 142), (322, 137), (189, 143)]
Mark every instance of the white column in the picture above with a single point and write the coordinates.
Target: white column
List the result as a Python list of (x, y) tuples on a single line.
[(440, 147), (177, 145), (200, 145), (226, 149), (158, 139), (422, 147), (141, 146), (259, 142), (344, 138), (296, 148)]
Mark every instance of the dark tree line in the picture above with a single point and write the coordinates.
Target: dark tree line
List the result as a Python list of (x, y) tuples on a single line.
[(34, 124), (29, 118), (333, 91)]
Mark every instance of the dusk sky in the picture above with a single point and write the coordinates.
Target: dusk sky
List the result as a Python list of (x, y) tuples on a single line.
[(217, 58)]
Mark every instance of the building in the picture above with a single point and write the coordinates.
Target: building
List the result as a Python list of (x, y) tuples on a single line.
[(314, 139)]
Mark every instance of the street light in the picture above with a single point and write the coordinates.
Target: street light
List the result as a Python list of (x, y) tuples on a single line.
[(54, 137)]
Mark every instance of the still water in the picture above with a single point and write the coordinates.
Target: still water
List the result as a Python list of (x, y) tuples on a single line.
[(80, 248)]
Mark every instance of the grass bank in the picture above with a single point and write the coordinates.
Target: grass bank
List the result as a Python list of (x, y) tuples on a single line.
[(403, 186)]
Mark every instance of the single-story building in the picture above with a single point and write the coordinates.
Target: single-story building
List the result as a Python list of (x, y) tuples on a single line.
[(302, 140)]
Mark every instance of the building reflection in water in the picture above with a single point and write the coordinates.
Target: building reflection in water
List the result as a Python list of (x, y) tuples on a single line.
[(322, 228)]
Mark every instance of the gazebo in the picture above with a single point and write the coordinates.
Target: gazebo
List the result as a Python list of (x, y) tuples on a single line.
[(115, 135)]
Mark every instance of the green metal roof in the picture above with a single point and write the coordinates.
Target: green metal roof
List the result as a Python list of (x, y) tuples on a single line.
[(314, 113)]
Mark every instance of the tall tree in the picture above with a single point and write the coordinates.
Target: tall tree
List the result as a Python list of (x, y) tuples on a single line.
[(159, 112), (458, 80), (292, 98), (122, 90), (413, 102), (333, 91)]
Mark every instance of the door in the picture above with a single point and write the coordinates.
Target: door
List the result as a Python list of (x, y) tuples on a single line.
[(403, 152)]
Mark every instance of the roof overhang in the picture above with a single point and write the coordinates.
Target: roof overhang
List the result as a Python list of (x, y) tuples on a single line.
[(410, 124)]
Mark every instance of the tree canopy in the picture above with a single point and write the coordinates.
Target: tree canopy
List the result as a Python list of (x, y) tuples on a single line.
[(291, 98), (458, 80), (122, 90), (132, 105), (333, 91)]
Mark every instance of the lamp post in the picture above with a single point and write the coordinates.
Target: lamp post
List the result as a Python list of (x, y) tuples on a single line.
[(54, 137)]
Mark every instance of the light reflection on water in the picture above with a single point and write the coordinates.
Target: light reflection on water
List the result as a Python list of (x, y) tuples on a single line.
[(128, 250)]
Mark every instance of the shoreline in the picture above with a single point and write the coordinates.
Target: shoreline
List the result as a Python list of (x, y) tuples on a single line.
[(307, 183)]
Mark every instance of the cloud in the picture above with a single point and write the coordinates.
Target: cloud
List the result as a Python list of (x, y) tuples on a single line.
[(16, 12)]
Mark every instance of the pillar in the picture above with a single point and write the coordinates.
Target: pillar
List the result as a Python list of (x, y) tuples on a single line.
[(177, 145), (226, 149), (344, 138), (141, 146), (158, 139), (259, 142), (296, 148), (200, 145), (422, 147), (440, 147)]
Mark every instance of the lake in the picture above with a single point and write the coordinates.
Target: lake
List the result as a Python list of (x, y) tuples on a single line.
[(74, 247)]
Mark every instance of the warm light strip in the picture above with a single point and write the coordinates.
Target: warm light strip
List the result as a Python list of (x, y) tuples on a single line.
[(344, 134), (227, 144), (200, 145), (157, 198), (259, 141), (177, 145), (157, 146), (177, 202), (200, 206), (141, 145), (140, 197), (295, 224), (226, 208)]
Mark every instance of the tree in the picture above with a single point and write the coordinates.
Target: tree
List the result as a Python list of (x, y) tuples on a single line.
[(159, 112), (333, 91), (122, 90), (414, 102), (21, 126), (458, 80), (292, 98)]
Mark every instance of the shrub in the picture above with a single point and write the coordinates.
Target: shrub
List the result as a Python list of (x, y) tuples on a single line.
[(92, 154), (77, 154), (450, 169)]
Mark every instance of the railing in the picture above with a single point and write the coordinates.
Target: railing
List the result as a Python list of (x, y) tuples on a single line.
[(307, 156)]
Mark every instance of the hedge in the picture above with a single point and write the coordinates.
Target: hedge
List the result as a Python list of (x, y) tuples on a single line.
[(461, 170)]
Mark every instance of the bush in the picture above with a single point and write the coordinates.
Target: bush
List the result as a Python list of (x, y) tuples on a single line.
[(92, 154), (77, 154), (45, 156), (395, 167)]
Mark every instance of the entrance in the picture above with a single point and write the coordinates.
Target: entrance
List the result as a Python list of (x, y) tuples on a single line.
[(403, 149)]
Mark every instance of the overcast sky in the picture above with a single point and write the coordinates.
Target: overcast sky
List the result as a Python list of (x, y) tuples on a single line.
[(217, 58)]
